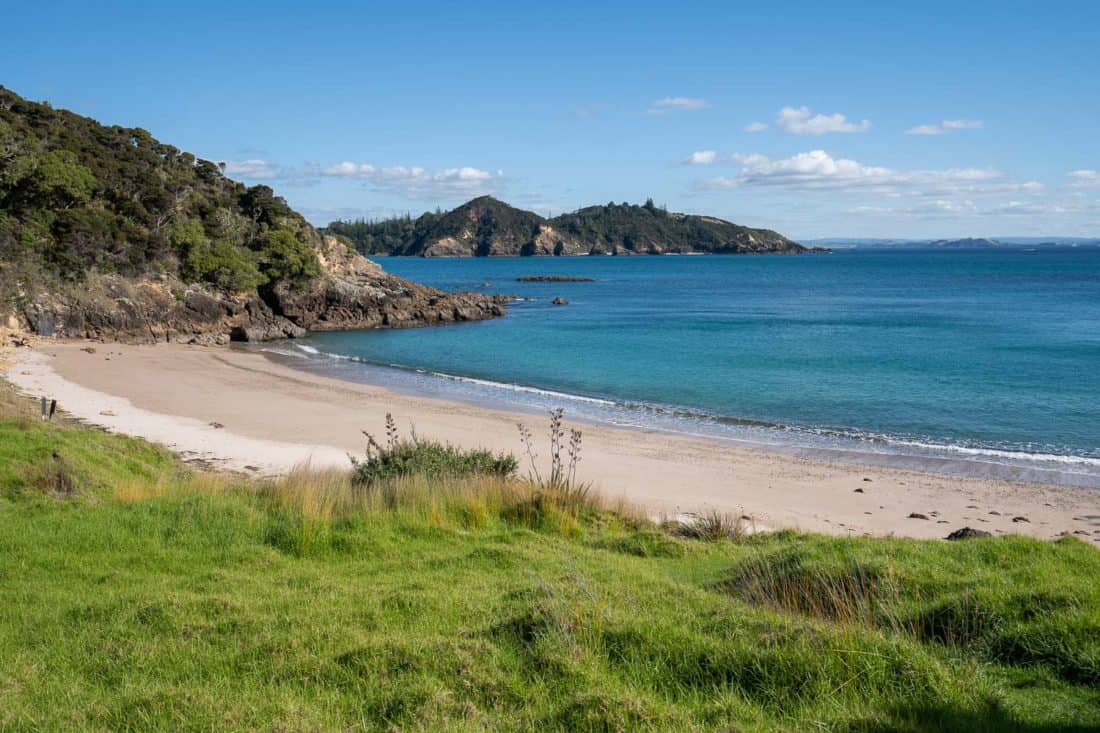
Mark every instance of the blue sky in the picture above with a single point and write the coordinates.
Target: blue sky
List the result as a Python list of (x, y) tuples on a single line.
[(816, 119)]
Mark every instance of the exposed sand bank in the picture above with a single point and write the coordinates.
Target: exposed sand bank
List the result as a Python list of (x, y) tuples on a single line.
[(274, 417)]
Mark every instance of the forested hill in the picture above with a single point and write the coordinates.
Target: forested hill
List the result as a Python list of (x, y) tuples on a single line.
[(77, 196), (487, 226), (104, 231)]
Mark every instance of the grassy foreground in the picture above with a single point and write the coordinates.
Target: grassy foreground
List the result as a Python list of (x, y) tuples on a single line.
[(136, 594)]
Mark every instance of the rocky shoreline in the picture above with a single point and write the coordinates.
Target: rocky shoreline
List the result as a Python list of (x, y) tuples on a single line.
[(352, 293)]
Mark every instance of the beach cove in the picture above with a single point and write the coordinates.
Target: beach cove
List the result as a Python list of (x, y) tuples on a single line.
[(243, 411)]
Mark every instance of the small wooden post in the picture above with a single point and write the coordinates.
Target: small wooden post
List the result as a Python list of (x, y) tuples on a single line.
[(43, 408)]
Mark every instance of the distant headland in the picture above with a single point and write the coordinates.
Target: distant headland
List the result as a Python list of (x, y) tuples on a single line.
[(487, 226)]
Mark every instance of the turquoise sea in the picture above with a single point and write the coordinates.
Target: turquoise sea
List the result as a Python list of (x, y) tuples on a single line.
[(978, 362)]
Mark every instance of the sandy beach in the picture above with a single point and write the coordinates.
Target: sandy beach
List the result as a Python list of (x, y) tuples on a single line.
[(242, 411)]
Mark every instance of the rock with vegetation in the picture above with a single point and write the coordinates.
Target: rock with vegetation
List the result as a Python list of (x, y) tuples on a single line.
[(107, 233), (486, 226)]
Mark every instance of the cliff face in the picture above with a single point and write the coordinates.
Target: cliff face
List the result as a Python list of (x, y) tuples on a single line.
[(351, 293), (488, 227)]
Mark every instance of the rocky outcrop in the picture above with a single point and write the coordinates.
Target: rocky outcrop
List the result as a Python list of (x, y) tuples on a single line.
[(110, 307), (351, 293), (355, 293)]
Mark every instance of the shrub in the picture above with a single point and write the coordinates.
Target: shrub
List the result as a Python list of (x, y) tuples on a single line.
[(223, 264), (415, 457), (282, 256)]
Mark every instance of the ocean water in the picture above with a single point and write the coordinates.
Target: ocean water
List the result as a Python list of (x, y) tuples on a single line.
[(976, 362)]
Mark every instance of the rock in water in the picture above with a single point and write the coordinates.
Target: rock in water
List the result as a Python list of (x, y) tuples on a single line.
[(560, 301), (553, 279)]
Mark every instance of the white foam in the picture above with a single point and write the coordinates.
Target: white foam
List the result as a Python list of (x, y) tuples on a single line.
[(759, 433), (1000, 453), (283, 352), (525, 389)]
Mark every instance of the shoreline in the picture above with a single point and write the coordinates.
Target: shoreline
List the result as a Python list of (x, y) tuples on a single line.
[(273, 417), (846, 445)]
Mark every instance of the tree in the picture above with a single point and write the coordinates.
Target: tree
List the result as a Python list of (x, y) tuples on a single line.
[(281, 256)]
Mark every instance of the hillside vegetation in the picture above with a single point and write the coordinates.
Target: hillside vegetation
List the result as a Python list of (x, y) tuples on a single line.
[(486, 226), (141, 595), (107, 233), (77, 196)]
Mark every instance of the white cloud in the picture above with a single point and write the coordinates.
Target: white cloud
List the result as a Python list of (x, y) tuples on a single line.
[(945, 126), (417, 182), (702, 157), (677, 104), (756, 127), (721, 182), (1084, 178), (962, 124), (925, 130), (1029, 208), (802, 121), (818, 170), (258, 170)]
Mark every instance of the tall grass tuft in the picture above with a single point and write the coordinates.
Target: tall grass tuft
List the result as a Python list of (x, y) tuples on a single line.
[(711, 525), (53, 476), (559, 487)]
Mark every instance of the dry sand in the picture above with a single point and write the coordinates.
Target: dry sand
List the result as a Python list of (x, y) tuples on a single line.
[(272, 417)]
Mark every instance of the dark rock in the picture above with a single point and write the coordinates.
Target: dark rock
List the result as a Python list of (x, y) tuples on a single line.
[(858, 491), (917, 515), (553, 279), (968, 533), (560, 301), (1021, 519)]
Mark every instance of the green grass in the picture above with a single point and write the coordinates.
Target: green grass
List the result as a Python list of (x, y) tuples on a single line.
[(152, 598)]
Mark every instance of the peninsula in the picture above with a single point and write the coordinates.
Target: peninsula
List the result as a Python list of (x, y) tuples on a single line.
[(487, 227)]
